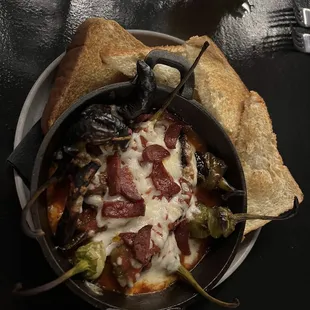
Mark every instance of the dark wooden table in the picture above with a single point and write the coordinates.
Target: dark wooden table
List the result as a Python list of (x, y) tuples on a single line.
[(33, 33)]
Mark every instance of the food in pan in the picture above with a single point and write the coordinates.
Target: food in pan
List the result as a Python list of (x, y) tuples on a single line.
[(126, 207)]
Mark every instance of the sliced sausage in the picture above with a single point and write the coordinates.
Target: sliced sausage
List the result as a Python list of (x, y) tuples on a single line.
[(181, 234), (172, 135), (128, 187), (142, 245), (163, 181), (154, 153), (123, 209), (87, 220), (114, 174), (128, 238)]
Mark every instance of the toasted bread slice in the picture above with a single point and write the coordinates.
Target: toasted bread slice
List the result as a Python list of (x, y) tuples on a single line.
[(270, 186), (82, 70), (218, 87), (125, 61)]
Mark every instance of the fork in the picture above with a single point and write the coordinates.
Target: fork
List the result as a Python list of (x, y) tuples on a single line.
[(302, 12), (301, 39)]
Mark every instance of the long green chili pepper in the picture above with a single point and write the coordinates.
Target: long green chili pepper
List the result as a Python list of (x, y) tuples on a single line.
[(187, 276), (160, 112), (219, 221), (89, 260)]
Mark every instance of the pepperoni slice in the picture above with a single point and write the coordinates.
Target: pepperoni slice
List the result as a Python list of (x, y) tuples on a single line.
[(123, 209), (128, 187), (114, 174), (170, 117), (163, 181), (172, 135), (154, 153), (181, 234), (128, 238), (87, 220), (142, 245)]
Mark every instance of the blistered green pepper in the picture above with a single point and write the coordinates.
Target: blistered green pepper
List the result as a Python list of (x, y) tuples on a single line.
[(219, 221), (211, 172), (89, 260)]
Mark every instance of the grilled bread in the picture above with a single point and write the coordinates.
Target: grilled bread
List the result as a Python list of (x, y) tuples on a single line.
[(82, 69)]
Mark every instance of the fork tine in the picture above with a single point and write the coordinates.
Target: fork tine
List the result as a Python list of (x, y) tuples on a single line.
[(301, 39), (298, 15), (302, 12)]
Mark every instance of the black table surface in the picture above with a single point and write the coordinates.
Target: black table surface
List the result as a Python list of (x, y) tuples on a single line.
[(258, 45)]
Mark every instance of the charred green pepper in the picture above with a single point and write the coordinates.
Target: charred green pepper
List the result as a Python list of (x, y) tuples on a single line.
[(139, 101), (211, 172), (89, 260), (97, 125), (218, 221)]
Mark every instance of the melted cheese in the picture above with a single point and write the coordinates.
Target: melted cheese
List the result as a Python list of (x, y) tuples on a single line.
[(159, 212)]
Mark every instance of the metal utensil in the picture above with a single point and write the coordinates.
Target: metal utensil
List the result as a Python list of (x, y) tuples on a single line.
[(302, 12), (301, 39)]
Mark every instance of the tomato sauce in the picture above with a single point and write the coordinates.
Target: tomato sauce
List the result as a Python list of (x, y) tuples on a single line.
[(208, 198), (57, 195), (107, 280)]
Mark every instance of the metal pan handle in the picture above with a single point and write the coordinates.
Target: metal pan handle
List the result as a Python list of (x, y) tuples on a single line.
[(175, 61)]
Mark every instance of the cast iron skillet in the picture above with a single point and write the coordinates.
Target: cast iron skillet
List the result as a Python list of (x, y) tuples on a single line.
[(213, 266)]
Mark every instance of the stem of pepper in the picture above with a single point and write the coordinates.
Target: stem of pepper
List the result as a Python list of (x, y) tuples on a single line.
[(241, 217), (186, 275), (78, 268), (160, 112), (224, 185), (25, 227), (230, 190)]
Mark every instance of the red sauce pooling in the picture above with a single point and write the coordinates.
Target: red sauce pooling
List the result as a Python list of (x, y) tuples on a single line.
[(194, 139), (209, 199), (107, 280)]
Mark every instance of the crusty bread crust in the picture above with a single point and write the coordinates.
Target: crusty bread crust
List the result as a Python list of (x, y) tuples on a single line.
[(271, 187), (82, 70), (218, 87)]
